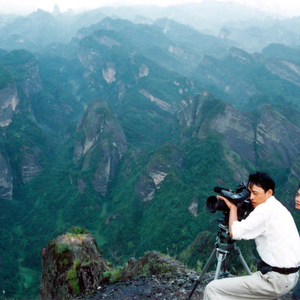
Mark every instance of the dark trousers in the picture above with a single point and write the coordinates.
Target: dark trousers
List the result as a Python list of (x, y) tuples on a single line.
[(296, 291)]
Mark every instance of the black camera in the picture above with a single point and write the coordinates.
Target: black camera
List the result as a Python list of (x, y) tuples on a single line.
[(239, 197)]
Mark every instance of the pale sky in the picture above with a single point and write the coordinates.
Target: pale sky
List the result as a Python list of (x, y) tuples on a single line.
[(285, 7)]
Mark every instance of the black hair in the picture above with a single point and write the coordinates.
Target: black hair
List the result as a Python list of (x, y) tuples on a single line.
[(262, 180), (299, 186)]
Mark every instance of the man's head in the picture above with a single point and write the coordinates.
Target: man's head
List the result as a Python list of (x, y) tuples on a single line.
[(261, 187), (297, 198)]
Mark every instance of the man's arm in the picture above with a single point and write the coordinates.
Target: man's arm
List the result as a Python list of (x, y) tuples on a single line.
[(232, 213)]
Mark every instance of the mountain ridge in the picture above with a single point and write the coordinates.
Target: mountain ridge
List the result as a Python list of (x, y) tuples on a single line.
[(108, 133)]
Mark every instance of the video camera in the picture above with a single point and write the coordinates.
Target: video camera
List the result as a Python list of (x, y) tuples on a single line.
[(239, 197)]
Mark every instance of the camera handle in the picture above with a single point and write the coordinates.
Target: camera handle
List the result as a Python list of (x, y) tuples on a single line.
[(221, 256)]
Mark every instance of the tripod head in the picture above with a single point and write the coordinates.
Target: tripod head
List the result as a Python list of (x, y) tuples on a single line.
[(223, 239)]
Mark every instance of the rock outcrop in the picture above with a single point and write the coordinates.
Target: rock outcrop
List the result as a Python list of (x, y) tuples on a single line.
[(285, 69), (8, 104), (100, 138), (24, 66), (6, 178), (271, 137), (30, 165), (277, 139), (160, 103), (153, 276), (72, 264), (167, 160), (241, 75)]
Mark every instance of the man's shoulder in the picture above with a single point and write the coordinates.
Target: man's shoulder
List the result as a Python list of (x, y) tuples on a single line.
[(274, 206), (272, 201), (270, 206)]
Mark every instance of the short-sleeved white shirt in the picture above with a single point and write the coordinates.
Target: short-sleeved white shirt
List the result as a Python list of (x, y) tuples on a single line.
[(275, 233)]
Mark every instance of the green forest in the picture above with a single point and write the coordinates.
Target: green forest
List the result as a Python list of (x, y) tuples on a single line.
[(119, 135)]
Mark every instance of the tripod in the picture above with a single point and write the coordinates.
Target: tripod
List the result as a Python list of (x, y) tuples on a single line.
[(224, 244)]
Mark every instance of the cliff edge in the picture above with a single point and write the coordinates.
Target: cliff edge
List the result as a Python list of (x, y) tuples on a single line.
[(72, 264)]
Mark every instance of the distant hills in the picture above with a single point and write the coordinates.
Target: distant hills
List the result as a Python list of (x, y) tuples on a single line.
[(125, 125), (249, 28)]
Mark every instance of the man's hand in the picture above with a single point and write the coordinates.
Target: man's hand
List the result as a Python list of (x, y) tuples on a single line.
[(228, 203)]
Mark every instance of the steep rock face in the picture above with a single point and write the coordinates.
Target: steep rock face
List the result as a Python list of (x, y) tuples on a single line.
[(285, 69), (72, 264), (160, 103), (6, 179), (240, 75), (8, 104), (32, 82), (193, 208), (202, 113), (278, 140), (30, 165), (224, 33), (100, 143), (94, 50), (273, 138), (237, 131), (166, 160), (144, 70), (241, 55), (189, 113), (24, 66), (109, 72)]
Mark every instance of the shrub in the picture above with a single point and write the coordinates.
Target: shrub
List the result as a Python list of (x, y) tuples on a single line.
[(113, 275), (63, 248), (78, 230), (73, 280)]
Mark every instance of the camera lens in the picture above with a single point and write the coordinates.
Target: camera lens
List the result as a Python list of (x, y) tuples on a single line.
[(213, 204)]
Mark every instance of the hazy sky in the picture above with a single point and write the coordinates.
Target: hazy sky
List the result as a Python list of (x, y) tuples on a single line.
[(286, 7)]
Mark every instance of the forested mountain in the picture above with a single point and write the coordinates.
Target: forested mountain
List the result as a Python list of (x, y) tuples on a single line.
[(126, 127)]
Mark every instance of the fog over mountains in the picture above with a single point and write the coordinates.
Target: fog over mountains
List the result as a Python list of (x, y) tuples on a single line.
[(122, 120)]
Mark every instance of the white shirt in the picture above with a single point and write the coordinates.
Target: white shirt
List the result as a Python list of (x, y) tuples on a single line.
[(275, 233)]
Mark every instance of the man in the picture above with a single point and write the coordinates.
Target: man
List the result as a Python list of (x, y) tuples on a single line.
[(296, 290), (277, 242)]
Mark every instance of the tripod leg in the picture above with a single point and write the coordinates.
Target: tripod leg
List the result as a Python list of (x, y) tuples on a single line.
[(238, 251), (221, 257), (202, 273)]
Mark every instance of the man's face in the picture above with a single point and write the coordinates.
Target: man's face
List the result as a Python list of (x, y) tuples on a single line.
[(297, 200), (259, 196)]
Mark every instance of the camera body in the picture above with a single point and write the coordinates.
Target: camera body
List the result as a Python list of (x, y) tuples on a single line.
[(239, 197)]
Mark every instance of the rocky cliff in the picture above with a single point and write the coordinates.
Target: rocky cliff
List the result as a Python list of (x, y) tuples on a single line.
[(8, 104), (239, 75), (6, 178), (24, 66), (18, 75), (167, 160), (285, 69), (72, 264), (99, 143), (153, 276), (277, 139), (271, 137), (30, 165), (74, 268)]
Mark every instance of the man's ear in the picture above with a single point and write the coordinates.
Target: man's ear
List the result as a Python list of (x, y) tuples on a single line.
[(269, 192)]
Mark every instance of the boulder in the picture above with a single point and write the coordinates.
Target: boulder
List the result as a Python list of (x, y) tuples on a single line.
[(72, 264)]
